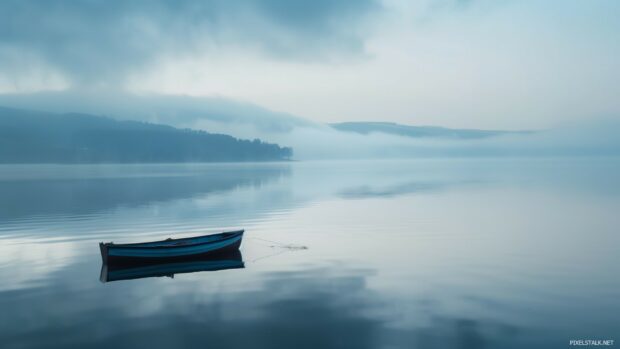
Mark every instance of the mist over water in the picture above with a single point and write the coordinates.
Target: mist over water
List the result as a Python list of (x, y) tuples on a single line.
[(459, 253), (311, 140)]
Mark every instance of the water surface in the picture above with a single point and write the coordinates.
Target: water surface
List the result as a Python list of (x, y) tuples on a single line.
[(400, 254)]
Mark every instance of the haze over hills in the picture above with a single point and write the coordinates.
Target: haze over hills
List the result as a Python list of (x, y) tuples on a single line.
[(214, 114), (39, 137), (310, 140), (181, 111), (419, 131)]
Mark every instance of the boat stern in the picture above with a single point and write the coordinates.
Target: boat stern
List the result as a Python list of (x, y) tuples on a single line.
[(104, 252)]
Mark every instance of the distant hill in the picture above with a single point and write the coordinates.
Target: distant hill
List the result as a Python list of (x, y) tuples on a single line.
[(38, 137), (418, 131)]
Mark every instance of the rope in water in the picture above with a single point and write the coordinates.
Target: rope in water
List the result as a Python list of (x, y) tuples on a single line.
[(285, 247), (281, 245)]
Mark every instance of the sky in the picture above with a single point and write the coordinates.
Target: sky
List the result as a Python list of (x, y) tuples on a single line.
[(499, 64)]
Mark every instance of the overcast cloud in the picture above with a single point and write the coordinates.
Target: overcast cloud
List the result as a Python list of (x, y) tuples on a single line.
[(98, 41), (472, 64)]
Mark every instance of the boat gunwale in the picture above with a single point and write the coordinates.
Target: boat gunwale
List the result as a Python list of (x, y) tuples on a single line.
[(225, 236)]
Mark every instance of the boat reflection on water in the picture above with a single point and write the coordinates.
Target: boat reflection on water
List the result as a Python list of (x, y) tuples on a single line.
[(116, 272)]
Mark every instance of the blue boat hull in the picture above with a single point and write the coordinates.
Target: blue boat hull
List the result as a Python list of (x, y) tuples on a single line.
[(171, 249)]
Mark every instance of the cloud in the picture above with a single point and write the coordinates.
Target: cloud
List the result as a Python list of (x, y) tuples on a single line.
[(96, 41)]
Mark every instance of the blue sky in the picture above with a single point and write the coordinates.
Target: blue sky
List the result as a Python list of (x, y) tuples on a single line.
[(476, 64)]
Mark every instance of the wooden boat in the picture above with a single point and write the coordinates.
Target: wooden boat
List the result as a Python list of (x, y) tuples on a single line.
[(230, 260), (171, 249)]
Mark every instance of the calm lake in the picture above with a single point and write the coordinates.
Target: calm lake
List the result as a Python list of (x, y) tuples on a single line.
[(459, 253)]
